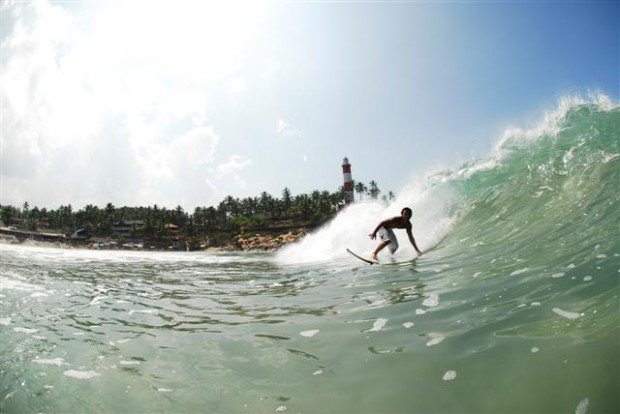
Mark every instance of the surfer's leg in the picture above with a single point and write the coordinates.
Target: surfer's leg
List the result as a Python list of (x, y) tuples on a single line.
[(379, 248), (393, 240), (393, 247)]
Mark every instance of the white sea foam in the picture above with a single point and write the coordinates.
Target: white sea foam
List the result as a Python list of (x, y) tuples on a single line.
[(11, 284), (378, 325), (25, 330), (431, 301), (408, 325), (566, 314), (81, 374), (449, 375), (518, 272), (97, 299), (5, 321), (557, 275), (435, 341), (145, 311), (122, 362), (54, 361), (309, 333), (381, 303), (582, 407)]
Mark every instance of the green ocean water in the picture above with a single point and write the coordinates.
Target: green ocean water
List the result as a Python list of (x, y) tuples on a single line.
[(513, 307)]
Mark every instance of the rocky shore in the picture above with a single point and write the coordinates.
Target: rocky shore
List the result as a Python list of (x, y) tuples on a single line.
[(244, 241), (267, 242)]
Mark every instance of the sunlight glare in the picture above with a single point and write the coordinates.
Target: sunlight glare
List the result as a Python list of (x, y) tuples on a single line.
[(192, 40)]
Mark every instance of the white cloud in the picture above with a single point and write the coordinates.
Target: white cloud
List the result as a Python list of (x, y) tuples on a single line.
[(285, 129), (103, 106), (232, 168)]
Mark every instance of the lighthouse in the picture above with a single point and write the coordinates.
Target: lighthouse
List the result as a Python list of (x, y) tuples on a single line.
[(348, 181)]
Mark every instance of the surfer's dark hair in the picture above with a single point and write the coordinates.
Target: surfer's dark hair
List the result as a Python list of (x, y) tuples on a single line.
[(407, 209)]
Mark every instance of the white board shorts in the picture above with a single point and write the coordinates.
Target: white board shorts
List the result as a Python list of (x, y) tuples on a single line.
[(388, 235)]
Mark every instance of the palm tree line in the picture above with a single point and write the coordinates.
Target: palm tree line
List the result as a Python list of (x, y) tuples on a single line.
[(231, 214)]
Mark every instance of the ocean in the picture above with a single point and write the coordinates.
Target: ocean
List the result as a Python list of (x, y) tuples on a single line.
[(512, 308)]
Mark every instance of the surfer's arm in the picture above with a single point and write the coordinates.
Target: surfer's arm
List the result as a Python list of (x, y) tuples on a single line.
[(373, 235), (412, 240)]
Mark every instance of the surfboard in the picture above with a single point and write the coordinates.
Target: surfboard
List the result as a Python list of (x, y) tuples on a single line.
[(368, 260)]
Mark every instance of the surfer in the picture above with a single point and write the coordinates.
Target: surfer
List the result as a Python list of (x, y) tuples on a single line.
[(387, 236)]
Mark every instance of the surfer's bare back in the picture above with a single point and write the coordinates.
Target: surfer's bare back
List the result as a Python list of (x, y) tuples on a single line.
[(388, 237)]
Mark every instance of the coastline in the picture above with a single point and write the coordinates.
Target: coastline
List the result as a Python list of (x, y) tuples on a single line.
[(270, 241)]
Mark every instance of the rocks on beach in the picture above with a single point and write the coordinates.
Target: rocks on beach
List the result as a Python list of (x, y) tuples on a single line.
[(267, 242)]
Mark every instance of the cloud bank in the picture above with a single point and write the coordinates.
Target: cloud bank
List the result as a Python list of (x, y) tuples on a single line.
[(96, 109)]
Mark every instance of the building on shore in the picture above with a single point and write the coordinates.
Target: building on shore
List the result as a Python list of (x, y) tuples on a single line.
[(349, 196)]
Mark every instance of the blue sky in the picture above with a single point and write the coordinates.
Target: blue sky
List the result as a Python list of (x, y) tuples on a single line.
[(185, 103)]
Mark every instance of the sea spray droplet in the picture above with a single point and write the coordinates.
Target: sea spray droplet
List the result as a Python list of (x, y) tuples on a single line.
[(25, 330), (81, 374), (518, 272), (449, 375), (435, 341), (420, 311), (582, 407), (145, 311), (281, 409), (408, 325), (431, 301), (566, 314), (309, 333), (54, 361), (557, 275), (378, 325)]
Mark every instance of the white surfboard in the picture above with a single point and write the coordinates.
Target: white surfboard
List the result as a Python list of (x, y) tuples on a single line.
[(368, 260)]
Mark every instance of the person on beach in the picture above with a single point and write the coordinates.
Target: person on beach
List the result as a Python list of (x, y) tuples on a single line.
[(387, 236)]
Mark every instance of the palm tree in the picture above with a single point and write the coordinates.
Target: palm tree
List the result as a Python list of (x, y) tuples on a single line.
[(373, 190), (360, 188), (287, 200)]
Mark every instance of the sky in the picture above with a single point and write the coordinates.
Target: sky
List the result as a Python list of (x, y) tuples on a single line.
[(183, 103)]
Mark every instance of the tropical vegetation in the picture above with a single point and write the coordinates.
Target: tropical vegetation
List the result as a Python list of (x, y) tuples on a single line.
[(232, 214)]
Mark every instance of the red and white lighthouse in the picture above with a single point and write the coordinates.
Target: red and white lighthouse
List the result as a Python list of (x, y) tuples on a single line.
[(348, 181)]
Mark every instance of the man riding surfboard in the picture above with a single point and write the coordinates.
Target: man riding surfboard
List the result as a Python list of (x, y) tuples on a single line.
[(387, 236)]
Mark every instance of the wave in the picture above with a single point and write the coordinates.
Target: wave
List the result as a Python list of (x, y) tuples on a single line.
[(548, 188)]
